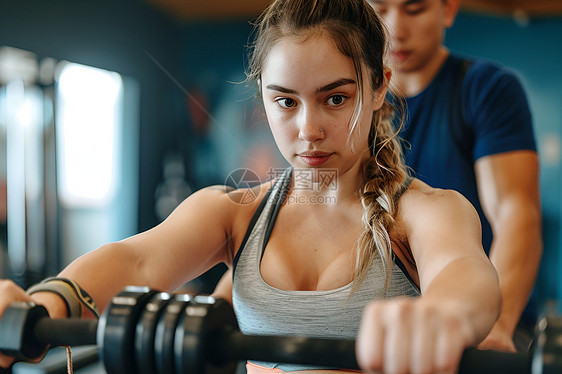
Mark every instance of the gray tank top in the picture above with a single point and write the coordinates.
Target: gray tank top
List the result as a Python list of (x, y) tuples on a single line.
[(265, 310)]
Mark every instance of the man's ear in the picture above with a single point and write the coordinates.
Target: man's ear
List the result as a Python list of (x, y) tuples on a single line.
[(380, 93), (451, 10)]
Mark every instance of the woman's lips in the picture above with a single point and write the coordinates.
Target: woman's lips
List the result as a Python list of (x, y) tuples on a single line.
[(315, 158)]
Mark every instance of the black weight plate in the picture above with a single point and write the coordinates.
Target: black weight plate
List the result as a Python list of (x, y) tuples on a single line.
[(165, 334), (116, 330), (145, 332), (202, 324)]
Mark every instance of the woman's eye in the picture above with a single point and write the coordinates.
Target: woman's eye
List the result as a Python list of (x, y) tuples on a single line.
[(286, 103), (336, 100)]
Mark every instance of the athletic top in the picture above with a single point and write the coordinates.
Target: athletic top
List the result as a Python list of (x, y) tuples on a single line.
[(443, 144), (265, 310)]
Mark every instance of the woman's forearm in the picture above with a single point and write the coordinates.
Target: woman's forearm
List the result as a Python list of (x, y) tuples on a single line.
[(106, 271), (470, 287)]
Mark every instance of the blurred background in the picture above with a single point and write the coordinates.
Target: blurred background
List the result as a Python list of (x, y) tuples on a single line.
[(112, 112)]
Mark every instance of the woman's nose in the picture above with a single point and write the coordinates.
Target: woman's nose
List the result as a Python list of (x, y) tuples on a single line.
[(310, 126)]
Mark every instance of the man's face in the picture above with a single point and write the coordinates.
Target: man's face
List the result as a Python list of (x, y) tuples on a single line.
[(416, 29)]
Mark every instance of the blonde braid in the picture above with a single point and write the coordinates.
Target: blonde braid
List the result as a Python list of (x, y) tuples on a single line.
[(384, 175)]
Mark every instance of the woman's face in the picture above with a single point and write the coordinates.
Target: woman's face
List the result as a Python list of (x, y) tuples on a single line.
[(309, 91)]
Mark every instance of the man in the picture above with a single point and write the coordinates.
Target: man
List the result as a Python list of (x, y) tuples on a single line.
[(469, 129)]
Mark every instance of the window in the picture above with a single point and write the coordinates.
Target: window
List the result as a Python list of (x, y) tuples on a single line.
[(89, 104)]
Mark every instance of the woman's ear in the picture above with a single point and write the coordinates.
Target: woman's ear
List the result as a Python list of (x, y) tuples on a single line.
[(380, 93)]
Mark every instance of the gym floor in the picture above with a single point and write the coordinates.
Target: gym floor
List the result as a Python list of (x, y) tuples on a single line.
[(55, 363)]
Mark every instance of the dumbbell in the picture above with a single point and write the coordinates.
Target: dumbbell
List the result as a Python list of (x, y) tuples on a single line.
[(26, 331), (181, 334), (144, 331)]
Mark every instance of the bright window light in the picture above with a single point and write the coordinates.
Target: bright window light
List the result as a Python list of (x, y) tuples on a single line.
[(88, 114)]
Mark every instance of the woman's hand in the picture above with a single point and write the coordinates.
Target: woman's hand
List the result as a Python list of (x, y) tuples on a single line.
[(10, 292), (407, 335)]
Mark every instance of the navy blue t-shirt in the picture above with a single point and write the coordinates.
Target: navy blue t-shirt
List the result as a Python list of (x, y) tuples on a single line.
[(441, 151)]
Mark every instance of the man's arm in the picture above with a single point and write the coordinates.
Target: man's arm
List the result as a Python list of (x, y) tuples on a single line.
[(509, 191)]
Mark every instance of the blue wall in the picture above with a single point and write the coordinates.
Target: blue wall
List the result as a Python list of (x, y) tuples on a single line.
[(532, 50), (213, 58)]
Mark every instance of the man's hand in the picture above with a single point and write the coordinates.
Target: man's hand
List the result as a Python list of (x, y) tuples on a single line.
[(499, 339)]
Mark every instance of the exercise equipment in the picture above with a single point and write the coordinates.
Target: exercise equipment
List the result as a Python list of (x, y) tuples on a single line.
[(144, 331)]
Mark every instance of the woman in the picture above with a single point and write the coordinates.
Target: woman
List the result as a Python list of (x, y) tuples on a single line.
[(341, 259)]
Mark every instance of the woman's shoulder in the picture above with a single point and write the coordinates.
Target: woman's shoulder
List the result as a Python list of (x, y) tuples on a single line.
[(419, 190), (231, 200), (423, 203), (230, 207), (218, 211)]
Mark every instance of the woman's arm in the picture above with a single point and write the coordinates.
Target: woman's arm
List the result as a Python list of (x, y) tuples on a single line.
[(460, 293), (190, 241), (445, 237), (223, 290)]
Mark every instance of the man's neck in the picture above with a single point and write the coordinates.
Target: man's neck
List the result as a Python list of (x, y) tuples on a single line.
[(411, 83)]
